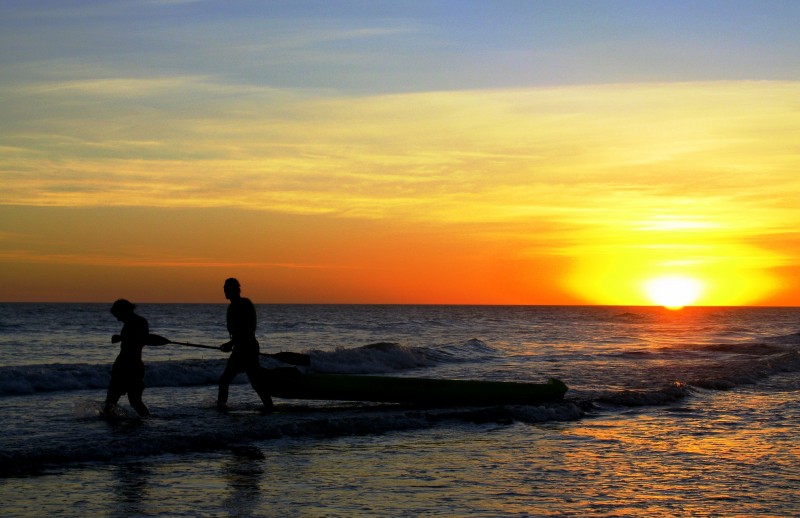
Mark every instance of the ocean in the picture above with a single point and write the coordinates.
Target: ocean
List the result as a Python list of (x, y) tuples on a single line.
[(669, 413)]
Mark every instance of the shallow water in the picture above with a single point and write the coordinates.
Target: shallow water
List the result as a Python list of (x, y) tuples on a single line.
[(628, 441)]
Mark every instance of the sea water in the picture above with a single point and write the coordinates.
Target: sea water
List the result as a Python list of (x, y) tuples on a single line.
[(669, 413)]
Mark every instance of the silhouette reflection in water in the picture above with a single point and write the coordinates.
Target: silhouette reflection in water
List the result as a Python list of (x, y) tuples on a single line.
[(243, 475)]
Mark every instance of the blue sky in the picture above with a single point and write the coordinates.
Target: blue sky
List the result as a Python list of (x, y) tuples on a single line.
[(379, 47)]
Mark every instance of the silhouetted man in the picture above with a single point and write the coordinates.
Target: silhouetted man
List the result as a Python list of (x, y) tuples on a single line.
[(241, 319), (127, 373)]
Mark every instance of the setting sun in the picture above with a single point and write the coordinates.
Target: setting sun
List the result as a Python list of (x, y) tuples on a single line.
[(673, 291)]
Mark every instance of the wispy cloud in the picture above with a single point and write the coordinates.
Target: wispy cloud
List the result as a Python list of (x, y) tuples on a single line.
[(455, 156), (89, 259), (127, 88)]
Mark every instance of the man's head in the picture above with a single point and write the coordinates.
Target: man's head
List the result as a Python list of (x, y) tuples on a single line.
[(122, 309), (232, 288)]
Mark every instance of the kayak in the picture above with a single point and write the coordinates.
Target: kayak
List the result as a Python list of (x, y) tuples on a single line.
[(290, 383)]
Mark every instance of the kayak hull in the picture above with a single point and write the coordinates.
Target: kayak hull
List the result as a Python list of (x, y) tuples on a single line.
[(289, 383)]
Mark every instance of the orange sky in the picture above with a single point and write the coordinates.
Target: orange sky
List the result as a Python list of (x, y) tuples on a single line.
[(157, 188)]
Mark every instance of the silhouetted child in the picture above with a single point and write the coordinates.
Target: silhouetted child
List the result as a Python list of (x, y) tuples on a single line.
[(127, 373)]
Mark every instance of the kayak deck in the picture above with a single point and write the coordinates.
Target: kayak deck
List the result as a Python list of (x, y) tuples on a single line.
[(290, 383)]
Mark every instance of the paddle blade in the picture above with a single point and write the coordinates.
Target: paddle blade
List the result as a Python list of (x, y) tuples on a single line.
[(292, 358), (156, 340)]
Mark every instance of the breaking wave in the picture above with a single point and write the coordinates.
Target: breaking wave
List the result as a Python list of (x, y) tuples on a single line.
[(30, 379), (376, 358)]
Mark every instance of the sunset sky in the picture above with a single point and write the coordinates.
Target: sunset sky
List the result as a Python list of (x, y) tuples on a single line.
[(487, 152)]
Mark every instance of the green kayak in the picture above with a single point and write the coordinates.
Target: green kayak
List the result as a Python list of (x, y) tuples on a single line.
[(290, 383)]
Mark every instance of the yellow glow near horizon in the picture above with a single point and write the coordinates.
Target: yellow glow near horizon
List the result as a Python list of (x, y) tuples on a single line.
[(673, 291), (718, 280), (617, 261)]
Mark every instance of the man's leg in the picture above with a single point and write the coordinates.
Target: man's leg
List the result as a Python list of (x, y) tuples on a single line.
[(259, 383), (115, 391), (112, 397), (135, 399), (225, 380)]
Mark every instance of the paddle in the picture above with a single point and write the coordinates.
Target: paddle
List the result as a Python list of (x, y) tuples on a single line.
[(285, 357)]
